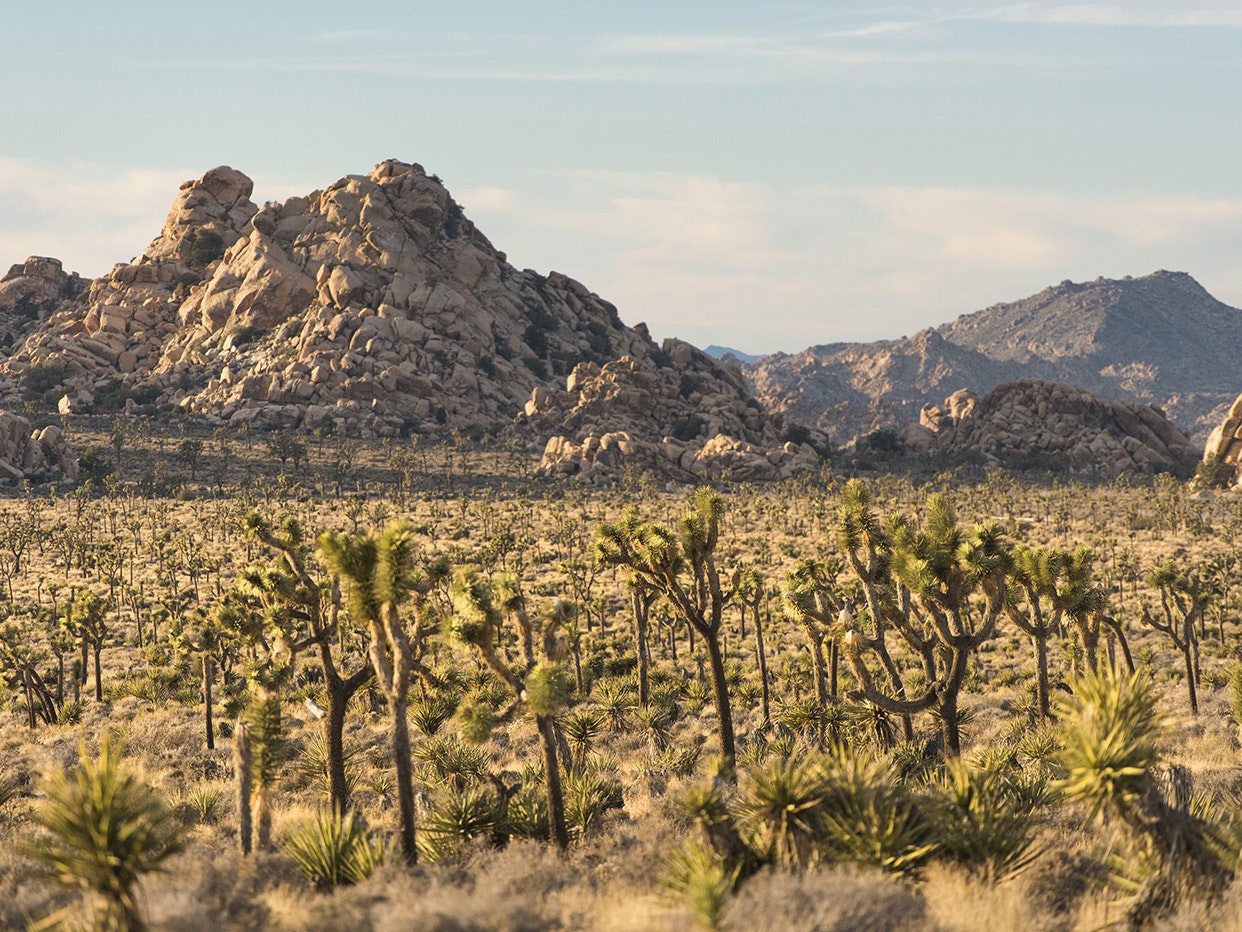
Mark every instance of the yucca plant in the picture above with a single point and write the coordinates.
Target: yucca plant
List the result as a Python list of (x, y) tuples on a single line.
[(869, 816), (334, 849), (616, 702), (528, 812), (451, 760), (703, 880), (588, 795), (780, 812), (430, 712), (655, 723), (106, 828), (202, 801), (457, 816), (1109, 728), (981, 819), (583, 729)]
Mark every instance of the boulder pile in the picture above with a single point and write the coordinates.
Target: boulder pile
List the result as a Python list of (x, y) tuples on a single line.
[(1032, 422), (40, 455)]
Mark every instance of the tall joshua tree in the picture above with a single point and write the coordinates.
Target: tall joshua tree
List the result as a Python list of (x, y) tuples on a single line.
[(1182, 602), (680, 563), (540, 679), (1031, 603), (810, 602), (295, 594), (919, 582), (381, 574)]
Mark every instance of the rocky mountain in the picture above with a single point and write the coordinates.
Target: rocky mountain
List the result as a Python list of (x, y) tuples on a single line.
[(1161, 339), (1037, 423), (374, 305)]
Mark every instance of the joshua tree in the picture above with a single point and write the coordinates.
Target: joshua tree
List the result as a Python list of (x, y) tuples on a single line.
[(209, 633), (642, 597), (381, 575), (750, 593), (1109, 728), (919, 582), (106, 829), (680, 564), (1182, 601), (88, 623), (541, 679), (298, 596), (1031, 603), (810, 603)]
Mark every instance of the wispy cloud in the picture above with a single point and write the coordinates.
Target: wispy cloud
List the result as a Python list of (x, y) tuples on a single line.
[(1152, 13), (89, 216), (766, 267)]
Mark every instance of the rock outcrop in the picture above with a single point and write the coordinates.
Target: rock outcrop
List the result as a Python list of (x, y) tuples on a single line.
[(31, 290), (376, 306), (1159, 339), (1225, 442), (40, 455), (1039, 423), (601, 458)]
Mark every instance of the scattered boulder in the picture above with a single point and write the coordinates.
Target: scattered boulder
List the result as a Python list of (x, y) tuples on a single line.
[(40, 455)]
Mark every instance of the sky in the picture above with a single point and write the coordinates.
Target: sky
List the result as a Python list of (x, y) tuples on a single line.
[(766, 176)]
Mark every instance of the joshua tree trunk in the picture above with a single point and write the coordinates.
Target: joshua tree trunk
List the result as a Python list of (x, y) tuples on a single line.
[(207, 673), (552, 781), (724, 710), (98, 674), (242, 764), (1041, 677), (761, 657)]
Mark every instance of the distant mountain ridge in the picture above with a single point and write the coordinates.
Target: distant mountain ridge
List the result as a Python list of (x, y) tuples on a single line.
[(720, 352), (1160, 339)]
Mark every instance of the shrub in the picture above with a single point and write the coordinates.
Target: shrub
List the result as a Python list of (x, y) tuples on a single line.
[(206, 247), (106, 828), (334, 849)]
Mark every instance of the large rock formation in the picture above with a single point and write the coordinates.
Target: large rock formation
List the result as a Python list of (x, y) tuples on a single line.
[(1160, 339), (1046, 424), (377, 306), (31, 290), (374, 304)]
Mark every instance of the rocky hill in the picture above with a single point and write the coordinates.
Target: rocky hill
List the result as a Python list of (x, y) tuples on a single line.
[(1036, 423), (373, 304), (1161, 339)]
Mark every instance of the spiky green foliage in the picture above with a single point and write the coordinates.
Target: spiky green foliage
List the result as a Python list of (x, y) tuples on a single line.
[(528, 812), (983, 819), (457, 815), (1109, 730), (268, 740), (548, 688), (869, 816), (588, 795), (781, 812), (1235, 692), (703, 880), (105, 829), (430, 712), (334, 849), (475, 720)]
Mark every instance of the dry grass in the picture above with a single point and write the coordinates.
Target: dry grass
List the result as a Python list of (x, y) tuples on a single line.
[(459, 499)]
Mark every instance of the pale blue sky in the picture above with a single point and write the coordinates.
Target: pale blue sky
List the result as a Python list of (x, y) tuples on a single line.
[(761, 175)]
